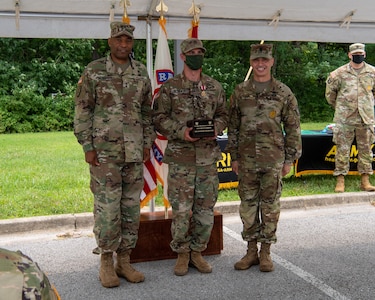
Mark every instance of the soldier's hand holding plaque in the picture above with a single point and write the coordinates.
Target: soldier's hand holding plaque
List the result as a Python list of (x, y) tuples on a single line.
[(201, 128)]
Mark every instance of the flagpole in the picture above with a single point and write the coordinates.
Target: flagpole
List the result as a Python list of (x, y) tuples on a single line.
[(251, 68), (149, 57)]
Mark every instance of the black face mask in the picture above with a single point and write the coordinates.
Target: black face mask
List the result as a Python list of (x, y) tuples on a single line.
[(358, 58), (194, 62)]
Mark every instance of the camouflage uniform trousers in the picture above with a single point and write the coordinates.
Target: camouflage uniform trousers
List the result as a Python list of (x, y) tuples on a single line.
[(116, 186), (192, 193), (21, 278), (343, 136), (259, 210)]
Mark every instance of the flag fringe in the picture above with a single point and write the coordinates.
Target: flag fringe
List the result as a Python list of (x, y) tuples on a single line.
[(193, 30), (166, 202), (228, 185), (162, 23), (149, 197), (126, 20)]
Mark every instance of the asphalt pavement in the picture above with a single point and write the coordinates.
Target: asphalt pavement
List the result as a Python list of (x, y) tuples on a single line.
[(83, 220), (325, 250)]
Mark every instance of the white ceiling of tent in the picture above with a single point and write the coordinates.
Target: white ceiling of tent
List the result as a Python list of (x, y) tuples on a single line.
[(282, 20)]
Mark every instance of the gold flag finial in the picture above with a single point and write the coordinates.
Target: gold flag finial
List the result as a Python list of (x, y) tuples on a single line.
[(125, 4), (161, 8), (194, 11)]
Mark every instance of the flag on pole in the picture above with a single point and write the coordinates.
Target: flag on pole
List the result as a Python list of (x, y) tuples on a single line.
[(161, 169), (194, 11), (163, 70), (150, 188), (154, 170)]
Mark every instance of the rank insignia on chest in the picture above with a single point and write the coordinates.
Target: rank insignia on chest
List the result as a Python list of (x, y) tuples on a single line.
[(272, 114)]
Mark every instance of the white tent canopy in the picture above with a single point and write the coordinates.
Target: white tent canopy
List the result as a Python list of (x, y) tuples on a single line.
[(271, 20)]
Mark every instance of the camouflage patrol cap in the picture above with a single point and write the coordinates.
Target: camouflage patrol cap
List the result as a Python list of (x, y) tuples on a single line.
[(357, 48), (119, 28), (190, 44), (261, 50)]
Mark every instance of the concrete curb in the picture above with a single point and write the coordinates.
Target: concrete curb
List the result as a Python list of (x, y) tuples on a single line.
[(85, 220)]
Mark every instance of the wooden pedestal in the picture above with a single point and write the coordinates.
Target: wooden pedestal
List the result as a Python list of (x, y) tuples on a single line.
[(155, 235)]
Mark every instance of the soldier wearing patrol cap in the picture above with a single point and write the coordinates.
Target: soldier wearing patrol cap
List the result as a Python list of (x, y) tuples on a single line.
[(192, 177), (113, 124), (350, 91), (264, 139), (261, 51), (119, 29), (190, 44)]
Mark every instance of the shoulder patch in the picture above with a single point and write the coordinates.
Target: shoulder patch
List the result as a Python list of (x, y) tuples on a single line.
[(333, 74)]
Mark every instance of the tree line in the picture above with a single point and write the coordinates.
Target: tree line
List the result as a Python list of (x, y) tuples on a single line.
[(38, 77)]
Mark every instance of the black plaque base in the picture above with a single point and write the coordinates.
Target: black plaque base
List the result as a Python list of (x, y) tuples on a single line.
[(202, 128)]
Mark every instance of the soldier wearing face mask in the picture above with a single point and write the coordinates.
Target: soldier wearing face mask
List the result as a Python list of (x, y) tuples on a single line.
[(350, 91), (183, 101)]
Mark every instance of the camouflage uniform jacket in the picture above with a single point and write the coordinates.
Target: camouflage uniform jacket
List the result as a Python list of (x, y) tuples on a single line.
[(113, 109), (179, 101), (351, 93), (264, 129), (21, 278)]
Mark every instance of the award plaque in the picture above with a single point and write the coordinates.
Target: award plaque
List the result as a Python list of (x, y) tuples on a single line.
[(202, 128)]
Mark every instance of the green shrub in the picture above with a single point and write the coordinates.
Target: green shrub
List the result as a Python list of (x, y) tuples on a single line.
[(28, 111)]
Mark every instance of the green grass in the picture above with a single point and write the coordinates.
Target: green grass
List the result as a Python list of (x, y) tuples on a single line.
[(314, 126), (45, 174), (42, 174)]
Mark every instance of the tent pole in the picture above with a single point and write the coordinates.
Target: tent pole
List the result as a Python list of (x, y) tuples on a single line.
[(150, 63), (149, 48)]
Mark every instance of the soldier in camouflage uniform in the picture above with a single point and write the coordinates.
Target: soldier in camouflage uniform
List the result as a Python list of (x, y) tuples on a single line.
[(21, 278), (113, 125), (192, 179), (264, 139), (350, 91)]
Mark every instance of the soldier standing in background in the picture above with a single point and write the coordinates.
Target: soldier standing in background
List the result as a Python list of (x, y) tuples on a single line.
[(192, 179), (113, 125), (350, 91), (264, 139)]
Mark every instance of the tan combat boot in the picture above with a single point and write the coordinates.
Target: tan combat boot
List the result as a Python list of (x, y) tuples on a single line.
[(266, 264), (182, 264), (197, 261), (250, 259), (340, 185), (365, 183), (125, 270), (107, 272)]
